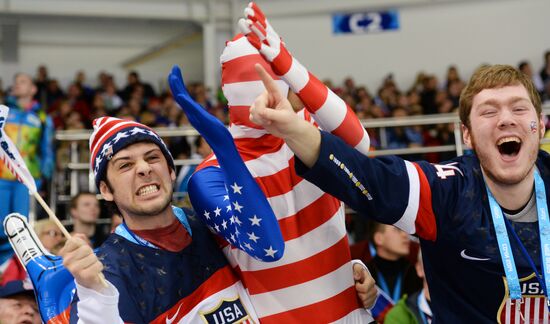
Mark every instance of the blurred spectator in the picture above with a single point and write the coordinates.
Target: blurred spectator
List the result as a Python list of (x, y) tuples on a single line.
[(54, 95), (545, 70), (87, 90), (454, 89), (414, 308), (133, 83), (428, 95), (103, 78), (18, 304), (98, 107), (452, 76), (60, 114), (84, 210), (525, 68), (31, 130), (49, 235), (78, 102), (41, 81), (202, 150), (111, 99), (200, 94), (404, 136), (391, 269)]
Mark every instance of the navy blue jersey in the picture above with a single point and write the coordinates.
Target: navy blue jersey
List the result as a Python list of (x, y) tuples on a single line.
[(446, 206), (174, 287)]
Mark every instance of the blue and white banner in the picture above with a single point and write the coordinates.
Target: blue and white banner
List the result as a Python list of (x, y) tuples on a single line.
[(367, 22)]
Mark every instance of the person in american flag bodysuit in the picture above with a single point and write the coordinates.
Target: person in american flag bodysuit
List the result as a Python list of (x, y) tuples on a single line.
[(313, 281)]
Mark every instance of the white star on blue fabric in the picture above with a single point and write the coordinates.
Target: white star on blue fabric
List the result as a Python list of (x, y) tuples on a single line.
[(119, 136), (237, 220), (236, 188), (228, 208), (217, 211), (225, 197), (249, 246), (224, 224), (253, 237), (255, 220), (270, 252), (237, 207), (206, 214), (217, 228), (137, 130)]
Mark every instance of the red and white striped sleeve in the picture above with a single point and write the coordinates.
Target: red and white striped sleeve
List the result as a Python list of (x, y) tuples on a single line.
[(327, 109)]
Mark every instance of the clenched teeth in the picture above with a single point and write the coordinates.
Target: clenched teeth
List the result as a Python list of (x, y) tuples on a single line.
[(147, 190)]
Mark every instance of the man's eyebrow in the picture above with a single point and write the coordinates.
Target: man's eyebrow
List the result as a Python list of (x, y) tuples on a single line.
[(514, 100), (496, 103), (120, 158), (154, 150)]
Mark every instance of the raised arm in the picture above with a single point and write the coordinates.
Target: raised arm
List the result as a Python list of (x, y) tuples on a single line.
[(327, 109), (228, 198)]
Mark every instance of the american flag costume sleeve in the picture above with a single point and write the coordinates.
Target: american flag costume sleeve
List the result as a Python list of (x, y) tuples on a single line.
[(52, 282), (233, 205), (327, 109)]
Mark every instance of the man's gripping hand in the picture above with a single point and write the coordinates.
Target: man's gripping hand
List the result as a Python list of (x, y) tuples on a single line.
[(82, 263)]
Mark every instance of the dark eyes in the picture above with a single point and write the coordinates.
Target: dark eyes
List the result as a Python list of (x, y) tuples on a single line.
[(124, 166), (150, 159)]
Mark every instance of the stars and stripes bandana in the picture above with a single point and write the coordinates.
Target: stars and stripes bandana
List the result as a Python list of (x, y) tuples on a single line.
[(111, 135)]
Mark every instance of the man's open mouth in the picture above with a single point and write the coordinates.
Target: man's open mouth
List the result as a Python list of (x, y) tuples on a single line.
[(147, 190), (509, 146)]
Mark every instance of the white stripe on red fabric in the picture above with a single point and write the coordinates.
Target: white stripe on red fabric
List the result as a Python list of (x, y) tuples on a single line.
[(328, 116), (301, 196), (300, 248), (239, 47), (407, 221), (297, 76), (283, 300), (244, 93), (270, 163)]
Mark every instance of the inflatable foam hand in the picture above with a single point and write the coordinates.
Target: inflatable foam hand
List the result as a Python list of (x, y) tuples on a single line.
[(211, 128), (232, 205), (54, 286), (327, 109)]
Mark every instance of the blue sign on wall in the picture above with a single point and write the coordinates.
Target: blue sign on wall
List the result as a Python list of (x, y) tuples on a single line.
[(368, 22)]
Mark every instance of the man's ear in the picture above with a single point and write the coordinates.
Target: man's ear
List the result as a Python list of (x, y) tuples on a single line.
[(172, 174), (72, 212), (105, 191), (377, 239), (466, 136)]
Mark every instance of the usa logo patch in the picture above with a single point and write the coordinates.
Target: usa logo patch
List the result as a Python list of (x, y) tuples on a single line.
[(227, 311)]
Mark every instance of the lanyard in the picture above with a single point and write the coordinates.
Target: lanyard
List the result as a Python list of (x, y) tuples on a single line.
[(423, 307), (396, 288), (504, 242), (127, 233)]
